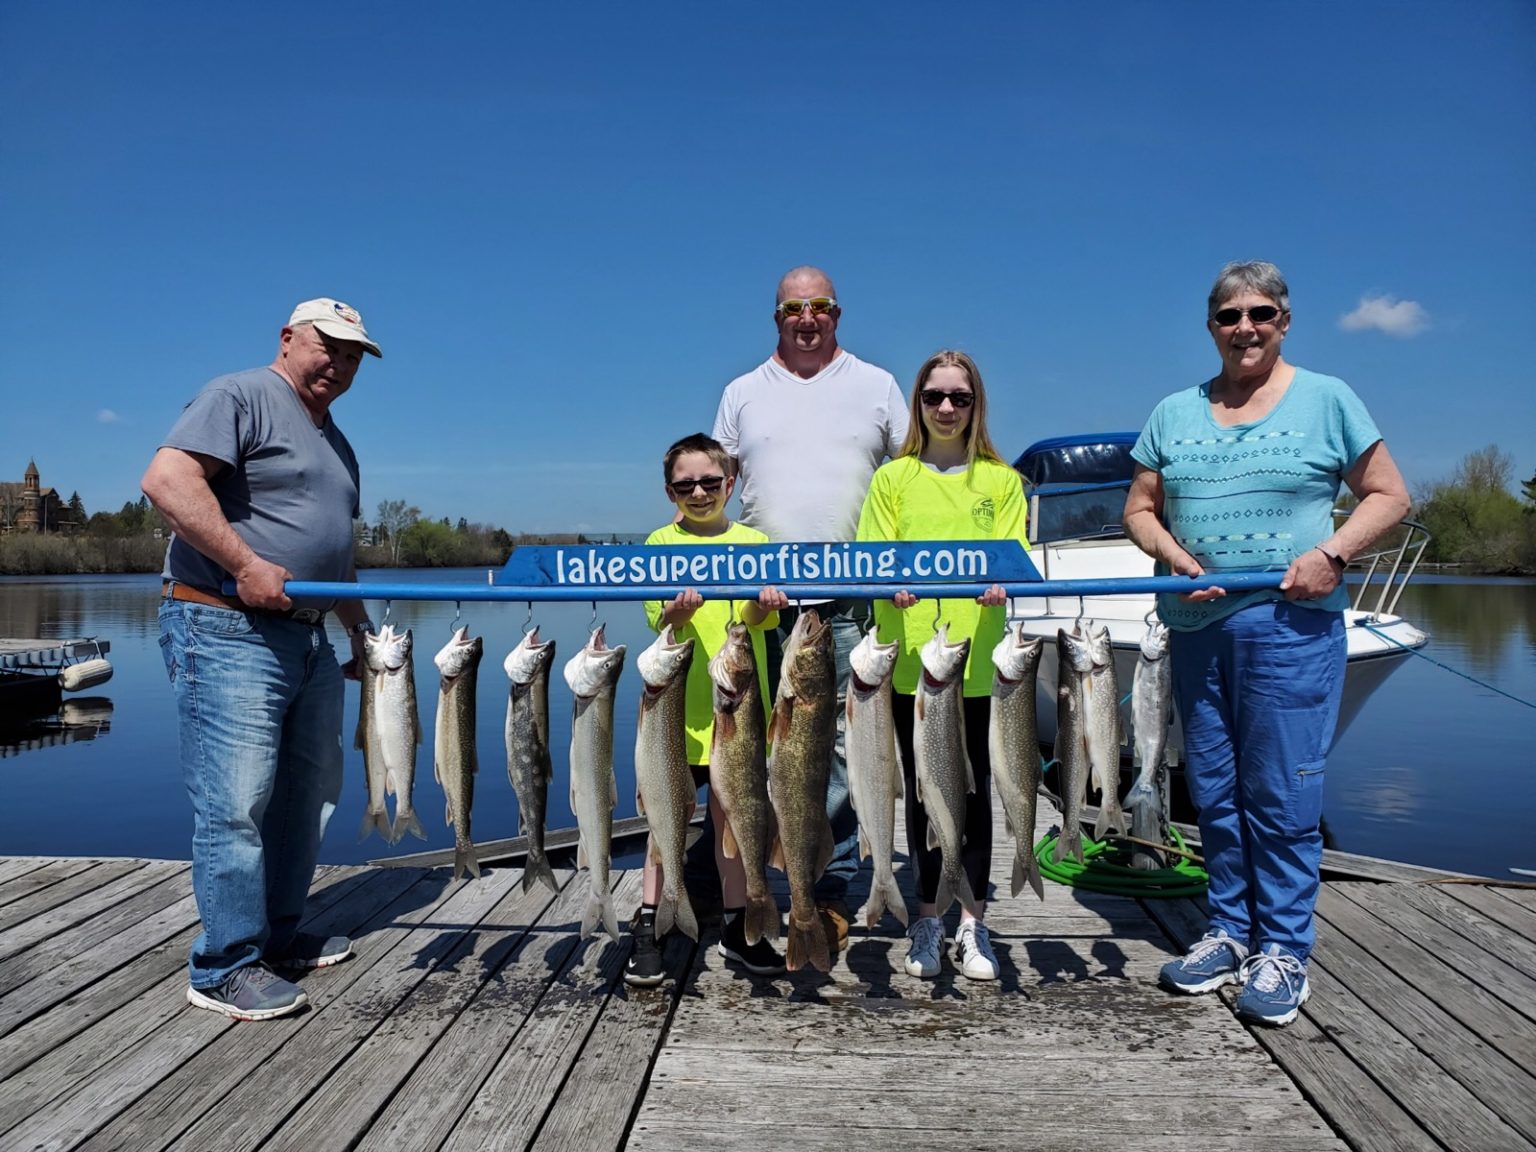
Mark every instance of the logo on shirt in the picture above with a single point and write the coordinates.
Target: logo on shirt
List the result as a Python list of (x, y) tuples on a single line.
[(983, 514)]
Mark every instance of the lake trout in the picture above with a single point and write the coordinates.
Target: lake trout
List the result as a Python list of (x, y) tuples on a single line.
[(874, 770), (528, 759), (455, 760), (944, 774), (366, 739), (1071, 756), (1151, 710), (738, 775), (1014, 744), (593, 674), (1102, 736), (801, 731), (396, 722), (664, 791)]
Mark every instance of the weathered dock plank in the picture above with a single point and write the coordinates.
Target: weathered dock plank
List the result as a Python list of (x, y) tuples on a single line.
[(96, 912), (1495, 904), (39, 878), (1359, 952), (65, 891), (682, 1135), (1450, 947), (1340, 1088), (1516, 951), (371, 1076), (12, 867)]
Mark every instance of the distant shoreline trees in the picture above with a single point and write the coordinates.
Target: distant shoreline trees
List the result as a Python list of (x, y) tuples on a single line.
[(1476, 521)]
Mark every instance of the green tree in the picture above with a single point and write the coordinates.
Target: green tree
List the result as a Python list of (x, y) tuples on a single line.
[(1475, 519), (428, 544), (77, 509), (395, 516)]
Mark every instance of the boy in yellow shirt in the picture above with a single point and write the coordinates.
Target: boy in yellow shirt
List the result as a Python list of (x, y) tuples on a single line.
[(699, 481)]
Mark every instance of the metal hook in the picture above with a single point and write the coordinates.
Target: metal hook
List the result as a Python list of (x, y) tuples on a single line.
[(1082, 610), (387, 604), (938, 616), (528, 623), (592, 623), (454, 626), (1151, 617), (732, 618)]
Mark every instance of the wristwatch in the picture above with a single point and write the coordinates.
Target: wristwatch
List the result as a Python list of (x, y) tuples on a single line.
[(362, 627), (1335, 557)]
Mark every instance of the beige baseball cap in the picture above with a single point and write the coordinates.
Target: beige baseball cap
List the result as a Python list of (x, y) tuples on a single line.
[(337, 320)]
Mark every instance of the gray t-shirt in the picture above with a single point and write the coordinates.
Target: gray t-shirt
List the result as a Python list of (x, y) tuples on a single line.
[(290, 491), (809, 447)]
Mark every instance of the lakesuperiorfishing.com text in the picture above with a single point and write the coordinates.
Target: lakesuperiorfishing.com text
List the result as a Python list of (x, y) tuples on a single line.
[(789, 563)]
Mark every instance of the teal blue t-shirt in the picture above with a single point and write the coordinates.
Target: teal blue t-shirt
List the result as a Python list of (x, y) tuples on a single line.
[(1253, 496)]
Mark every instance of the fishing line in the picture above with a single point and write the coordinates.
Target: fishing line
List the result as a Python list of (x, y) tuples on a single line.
[(1414, 651)]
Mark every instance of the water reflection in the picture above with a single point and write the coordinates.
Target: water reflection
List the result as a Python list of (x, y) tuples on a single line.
[(77, 719)]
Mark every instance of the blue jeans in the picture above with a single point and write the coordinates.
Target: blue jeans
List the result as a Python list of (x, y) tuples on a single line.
[(259, 703), (850, 619), (1259, 696)]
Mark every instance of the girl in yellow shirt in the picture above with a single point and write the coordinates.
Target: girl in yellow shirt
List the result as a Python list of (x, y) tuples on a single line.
[(946, 483)]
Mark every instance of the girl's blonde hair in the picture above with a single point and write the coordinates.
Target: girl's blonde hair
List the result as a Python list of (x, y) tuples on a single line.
[(977, 442)]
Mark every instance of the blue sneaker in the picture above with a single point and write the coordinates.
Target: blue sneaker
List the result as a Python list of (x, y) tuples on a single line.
[(1214, 959), (1274, 987)]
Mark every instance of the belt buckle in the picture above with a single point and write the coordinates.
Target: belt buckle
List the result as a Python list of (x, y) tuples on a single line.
[(307, 615)]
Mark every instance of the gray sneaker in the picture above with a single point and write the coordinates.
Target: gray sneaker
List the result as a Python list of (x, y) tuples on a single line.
[(309, 950), (923, 954), (254, 992)]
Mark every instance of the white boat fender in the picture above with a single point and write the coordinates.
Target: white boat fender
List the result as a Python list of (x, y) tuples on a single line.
[(86, 674)]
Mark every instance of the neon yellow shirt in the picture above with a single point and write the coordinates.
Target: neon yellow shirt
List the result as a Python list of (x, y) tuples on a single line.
[(909, 501), (708, 629)]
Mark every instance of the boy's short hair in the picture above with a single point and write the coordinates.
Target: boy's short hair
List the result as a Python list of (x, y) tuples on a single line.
[(698, 442)]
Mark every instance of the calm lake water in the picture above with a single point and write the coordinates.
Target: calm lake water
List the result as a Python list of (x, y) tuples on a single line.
[(1436, 770)]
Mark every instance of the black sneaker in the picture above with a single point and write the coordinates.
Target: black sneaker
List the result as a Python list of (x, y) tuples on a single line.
[(254, 992), (760, 959), (309, 950), (644, 968)]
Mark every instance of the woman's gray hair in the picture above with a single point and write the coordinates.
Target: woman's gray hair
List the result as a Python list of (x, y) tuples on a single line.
[(1258, 276)]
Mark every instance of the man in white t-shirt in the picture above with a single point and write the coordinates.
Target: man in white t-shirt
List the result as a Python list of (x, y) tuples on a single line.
[(808, 427)]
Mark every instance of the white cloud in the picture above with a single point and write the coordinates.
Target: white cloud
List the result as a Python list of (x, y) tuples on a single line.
[(1386, 314), (107, 416)]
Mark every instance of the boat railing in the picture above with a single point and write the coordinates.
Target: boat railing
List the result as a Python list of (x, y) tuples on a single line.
[(1388, 569)]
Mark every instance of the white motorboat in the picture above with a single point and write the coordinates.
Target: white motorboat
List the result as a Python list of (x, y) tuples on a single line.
[(1077, 487)]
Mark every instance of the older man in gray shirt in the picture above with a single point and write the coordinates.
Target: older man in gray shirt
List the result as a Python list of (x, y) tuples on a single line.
[(260, 487)]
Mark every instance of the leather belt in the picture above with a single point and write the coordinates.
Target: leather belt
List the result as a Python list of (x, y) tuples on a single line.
[(174, 590)]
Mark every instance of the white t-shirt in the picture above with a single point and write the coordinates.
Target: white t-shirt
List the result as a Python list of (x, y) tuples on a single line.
[(809, 447)]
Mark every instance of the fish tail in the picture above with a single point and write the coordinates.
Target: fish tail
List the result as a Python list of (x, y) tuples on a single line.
[(666, 913), (761, 919), (406, 822), (465, 862), (537, 868), (968, 897), (885, 896), (375, 822), (807, 945), (599, 910), (1026, 870), (686, 920), (946, 893)]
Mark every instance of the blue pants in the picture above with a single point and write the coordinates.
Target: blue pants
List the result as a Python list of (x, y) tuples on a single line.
[(259, 703), (1258, 693), (850, 620)]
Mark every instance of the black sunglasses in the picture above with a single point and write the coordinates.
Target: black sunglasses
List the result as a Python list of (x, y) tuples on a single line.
[(933, 397), (1262, 314), (710, 484)]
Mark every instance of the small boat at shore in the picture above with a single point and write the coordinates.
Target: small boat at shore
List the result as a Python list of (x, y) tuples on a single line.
[(1077, 486), (34, 674)]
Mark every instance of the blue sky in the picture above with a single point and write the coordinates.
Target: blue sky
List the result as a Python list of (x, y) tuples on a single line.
[(564, 223)]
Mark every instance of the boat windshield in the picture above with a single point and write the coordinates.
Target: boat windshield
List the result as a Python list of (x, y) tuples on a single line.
[(1077, 485)]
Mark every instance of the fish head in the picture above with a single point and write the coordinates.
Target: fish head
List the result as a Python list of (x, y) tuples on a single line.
[(943, 661), (388, 651), (595, 667), (733, 666), (871, 661), (459, 654), (1017, 656), (529, 659), (665, 660), (808, 671), (1074, 650), (1099, 644), (1154, 645)]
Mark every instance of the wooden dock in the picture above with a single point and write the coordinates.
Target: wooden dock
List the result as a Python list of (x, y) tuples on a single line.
[(473, 1018)]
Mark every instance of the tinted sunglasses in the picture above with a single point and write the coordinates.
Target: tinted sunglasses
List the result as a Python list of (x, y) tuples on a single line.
[(819, 306), (710, 484), (933, 397), (1263, 314)]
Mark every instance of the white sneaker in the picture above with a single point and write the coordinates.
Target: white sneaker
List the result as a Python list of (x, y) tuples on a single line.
[(973, 951), (927, 947)]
